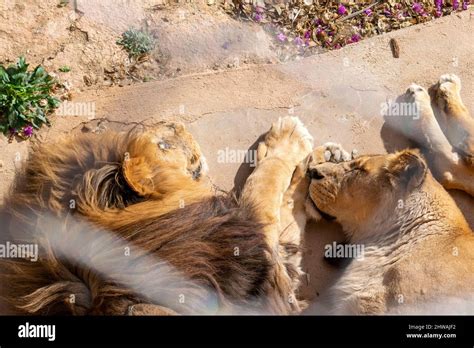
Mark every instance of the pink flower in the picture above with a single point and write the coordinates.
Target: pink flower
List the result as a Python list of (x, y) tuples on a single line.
[(307, 34), (281, 37), (417, 7), (259, 9), (341, 10), (355, 38), (258, 17), (28, 131), (464, 5), (318, 21), (439, 8), (368, 12), (298, 41), (455, 4)]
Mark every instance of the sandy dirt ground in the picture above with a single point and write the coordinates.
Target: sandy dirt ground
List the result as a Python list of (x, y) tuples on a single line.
[(338, 95)]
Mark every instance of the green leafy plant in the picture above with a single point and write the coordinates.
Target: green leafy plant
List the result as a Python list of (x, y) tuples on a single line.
[(63, 3), (25, 98), (65, 69), (136, 42)]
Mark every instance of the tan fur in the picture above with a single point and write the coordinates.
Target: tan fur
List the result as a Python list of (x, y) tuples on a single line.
[(418, 248), (278, 188), (449, 160), (413, 234), (453, 116), (147, 191)]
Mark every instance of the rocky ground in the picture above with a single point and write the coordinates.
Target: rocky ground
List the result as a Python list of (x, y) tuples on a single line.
[(222, 78)]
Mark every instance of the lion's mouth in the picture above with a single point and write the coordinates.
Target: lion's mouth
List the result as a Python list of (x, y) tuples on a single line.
[(322, 213)]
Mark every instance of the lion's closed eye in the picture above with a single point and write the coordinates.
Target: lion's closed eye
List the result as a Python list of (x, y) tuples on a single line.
[(163, 145), (355, 174), (362, 170), (357, 171)]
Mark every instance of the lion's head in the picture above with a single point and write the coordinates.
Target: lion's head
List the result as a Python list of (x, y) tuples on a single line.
[(365, 189), (167, 146)]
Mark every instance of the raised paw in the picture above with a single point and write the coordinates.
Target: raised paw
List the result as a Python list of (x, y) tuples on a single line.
[(331, 152), (457, 123), (287, 139), (446, 93), (450, 80), (417, 105), (416, 93)]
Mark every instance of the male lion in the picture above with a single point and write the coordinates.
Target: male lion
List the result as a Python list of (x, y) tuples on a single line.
[(129, 223), (418, 248)]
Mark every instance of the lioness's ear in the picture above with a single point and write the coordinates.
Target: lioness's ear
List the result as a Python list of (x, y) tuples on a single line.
[(138, 175), (408, 167)]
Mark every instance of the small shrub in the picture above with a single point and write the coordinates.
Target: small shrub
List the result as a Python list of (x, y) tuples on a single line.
[(136, 42), (25, 98), (65, 69), (63, 3)]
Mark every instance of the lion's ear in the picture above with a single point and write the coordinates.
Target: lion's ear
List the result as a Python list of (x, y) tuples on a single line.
[(138, 175), (408, 167)]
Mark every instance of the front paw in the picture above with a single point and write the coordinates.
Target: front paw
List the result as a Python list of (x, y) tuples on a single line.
[(417, 94), (287, 139), (331, 152), (451, 80), (447, 91)]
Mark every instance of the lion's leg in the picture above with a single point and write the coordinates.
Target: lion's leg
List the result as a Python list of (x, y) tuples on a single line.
[(454, 116), (267, 190), (286, 145), (293, 211), (293, 220), (444, 162)]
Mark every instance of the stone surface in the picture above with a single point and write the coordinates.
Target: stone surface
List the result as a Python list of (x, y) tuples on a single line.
[(338, 95)]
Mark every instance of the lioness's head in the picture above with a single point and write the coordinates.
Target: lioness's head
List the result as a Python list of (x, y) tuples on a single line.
[(365, 189), (167, 149)]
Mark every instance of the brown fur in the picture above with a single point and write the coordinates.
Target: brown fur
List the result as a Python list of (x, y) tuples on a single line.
[(85, 199)]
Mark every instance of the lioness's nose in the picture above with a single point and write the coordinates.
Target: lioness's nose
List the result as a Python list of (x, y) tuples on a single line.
[(315, 174)]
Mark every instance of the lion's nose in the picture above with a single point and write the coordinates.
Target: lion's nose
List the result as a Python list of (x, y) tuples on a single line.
[(315, 174)]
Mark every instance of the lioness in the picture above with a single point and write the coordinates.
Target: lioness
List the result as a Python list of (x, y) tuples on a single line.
[(418, 248), (129, 223)]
